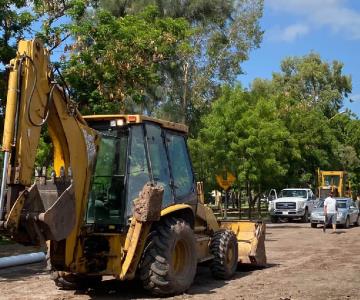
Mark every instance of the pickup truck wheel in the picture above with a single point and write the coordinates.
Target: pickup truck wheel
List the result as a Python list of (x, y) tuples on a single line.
[(274, 219), (313, 225), (347, 222), (305, 217)]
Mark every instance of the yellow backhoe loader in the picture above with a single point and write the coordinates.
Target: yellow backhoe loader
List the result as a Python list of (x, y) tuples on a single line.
[(333, 181), (122, 199)]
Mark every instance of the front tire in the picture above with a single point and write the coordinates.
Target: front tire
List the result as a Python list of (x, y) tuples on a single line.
[(347, 222), (169, 261), (305, 217), (313, 225), (224, 247), (274, 219)]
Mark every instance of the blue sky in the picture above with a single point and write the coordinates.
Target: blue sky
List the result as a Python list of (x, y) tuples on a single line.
[(297, 27)]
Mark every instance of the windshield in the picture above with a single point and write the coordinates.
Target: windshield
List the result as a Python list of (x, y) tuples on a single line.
[(106, 198), (293, 193), (331, 180), (319, 203)]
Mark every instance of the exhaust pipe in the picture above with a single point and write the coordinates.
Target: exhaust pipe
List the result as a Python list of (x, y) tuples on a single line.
[(23, 259)]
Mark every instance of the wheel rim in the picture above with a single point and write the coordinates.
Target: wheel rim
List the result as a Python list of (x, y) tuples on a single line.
[(179, 257)]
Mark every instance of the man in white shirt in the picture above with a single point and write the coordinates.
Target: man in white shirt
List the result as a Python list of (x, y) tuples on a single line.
[(330, 212)]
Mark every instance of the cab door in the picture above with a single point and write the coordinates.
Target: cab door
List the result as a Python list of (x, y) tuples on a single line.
[(183, 180), (158, 158), (272, 195), (353, 212)]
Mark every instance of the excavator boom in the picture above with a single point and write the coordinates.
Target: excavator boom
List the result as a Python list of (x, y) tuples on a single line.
[(33, 213)]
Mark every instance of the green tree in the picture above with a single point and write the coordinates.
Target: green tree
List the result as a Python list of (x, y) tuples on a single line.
[(313, 83), (114, 60), (244, 135), (224, 32), (56, 17), (347, 129), (15, 21), (308, 93)]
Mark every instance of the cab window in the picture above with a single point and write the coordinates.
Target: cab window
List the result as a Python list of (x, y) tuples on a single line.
[(138, 174), (180, 165), (106, 198), (158, 161)]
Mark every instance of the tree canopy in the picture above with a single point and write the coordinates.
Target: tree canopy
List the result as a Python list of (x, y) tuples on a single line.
[(282, 130), (115, 60), (223, 34), (180, 60)]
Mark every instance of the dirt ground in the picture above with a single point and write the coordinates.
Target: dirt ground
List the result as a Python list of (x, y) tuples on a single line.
[(304, 263)]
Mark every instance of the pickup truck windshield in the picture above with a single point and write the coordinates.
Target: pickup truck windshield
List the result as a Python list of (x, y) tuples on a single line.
[(293, 193)]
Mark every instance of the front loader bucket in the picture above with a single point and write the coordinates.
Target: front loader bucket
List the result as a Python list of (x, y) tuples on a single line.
[(251, 241)]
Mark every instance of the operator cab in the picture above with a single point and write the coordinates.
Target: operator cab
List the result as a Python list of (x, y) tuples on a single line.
[(132, 151)]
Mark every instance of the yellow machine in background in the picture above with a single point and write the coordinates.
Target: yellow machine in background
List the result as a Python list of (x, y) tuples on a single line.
[(122, 199), (334, 181)]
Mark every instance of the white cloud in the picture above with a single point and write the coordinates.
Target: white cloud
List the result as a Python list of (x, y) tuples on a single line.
[(334, 14), (354, 97), (289, 33)]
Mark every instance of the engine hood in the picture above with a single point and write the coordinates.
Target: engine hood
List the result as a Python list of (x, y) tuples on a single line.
[(290, 199)]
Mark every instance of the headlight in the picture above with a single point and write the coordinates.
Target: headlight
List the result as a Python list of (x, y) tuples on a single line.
[(341, 214), (315, 214), (301, 205)]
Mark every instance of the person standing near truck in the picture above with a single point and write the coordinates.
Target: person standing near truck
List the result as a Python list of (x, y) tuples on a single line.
[(330, 212)]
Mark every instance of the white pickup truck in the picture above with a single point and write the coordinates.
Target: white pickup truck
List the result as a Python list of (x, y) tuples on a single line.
[(292, 203)]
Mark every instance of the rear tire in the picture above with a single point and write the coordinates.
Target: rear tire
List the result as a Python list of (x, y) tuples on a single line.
[(313, 225), (224, 247), (357, 221), (169, 261)]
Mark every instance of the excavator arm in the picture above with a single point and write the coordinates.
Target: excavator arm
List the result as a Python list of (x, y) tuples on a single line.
[(30, 213)]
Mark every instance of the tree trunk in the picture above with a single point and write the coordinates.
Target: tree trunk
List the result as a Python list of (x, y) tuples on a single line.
[(239, 202), (185, 92), (258, 202), (249, 195)]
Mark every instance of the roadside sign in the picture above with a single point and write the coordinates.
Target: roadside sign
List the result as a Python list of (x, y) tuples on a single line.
[(226, 180)]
